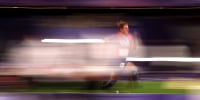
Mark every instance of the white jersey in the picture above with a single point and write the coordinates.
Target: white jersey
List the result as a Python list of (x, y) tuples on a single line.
[(124, 44)]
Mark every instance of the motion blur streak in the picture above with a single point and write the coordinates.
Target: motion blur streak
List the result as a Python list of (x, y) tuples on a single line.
[(73, 40), (174, 59)]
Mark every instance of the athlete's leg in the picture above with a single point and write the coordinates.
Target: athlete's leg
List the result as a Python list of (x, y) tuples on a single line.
[(113, 79)]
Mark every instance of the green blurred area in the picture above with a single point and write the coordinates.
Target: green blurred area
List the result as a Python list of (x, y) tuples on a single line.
[(84, 87)]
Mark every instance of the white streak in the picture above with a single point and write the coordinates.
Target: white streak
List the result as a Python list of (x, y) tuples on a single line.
[(73, 40), (170, 59)]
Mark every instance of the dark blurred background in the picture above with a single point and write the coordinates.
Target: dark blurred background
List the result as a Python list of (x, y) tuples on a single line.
[(167, 28)]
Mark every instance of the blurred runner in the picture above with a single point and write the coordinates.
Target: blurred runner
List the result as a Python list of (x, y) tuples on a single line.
[(127, 43)]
